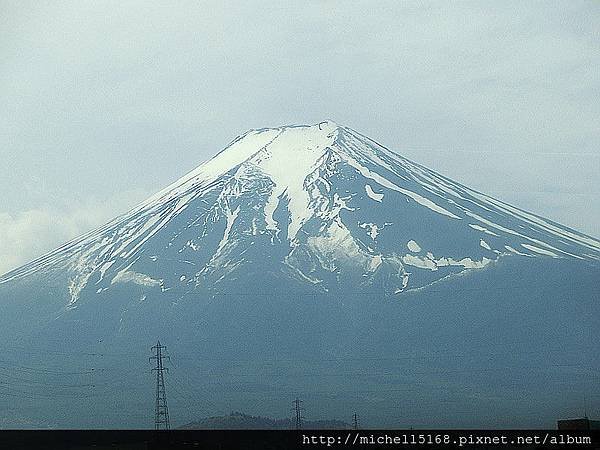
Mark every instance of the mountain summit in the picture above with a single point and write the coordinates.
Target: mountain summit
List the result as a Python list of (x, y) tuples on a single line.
[(311, 259)]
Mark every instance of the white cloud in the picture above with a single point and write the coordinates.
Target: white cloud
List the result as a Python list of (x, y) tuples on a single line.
[(29, 234)]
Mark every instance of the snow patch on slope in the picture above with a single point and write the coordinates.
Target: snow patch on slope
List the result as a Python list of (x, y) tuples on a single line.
[(541, 251), (231, 216), (129, 276), (432, 263), (480, 228), (372, 229), (515, 251), (76, 285), (372, 194), (413, 246), (336, 245)]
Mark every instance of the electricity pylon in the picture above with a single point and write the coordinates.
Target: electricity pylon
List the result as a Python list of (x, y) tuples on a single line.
[(161, 412), (298, 413)]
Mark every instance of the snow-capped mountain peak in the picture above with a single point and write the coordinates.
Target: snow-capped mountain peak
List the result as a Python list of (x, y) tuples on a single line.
[(321, 207)]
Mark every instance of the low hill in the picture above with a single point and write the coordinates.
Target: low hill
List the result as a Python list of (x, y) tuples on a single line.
[(240, 421)]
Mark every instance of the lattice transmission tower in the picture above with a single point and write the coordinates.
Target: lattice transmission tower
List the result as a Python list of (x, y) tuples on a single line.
[(161, 412), (297, 410)]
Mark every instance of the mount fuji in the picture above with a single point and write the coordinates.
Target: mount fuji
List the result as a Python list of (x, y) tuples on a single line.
[(312, 259)]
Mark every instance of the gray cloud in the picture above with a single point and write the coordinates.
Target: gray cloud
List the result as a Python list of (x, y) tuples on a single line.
[(100, 97)]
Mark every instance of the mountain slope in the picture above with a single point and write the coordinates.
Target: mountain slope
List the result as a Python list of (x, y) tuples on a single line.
[(309, 259)]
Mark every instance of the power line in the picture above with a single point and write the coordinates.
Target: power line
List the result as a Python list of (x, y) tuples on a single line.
[(420, 355), (30, 381), (187, 385)]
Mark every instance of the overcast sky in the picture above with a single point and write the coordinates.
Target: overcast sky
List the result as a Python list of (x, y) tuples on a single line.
[(104, 103)]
